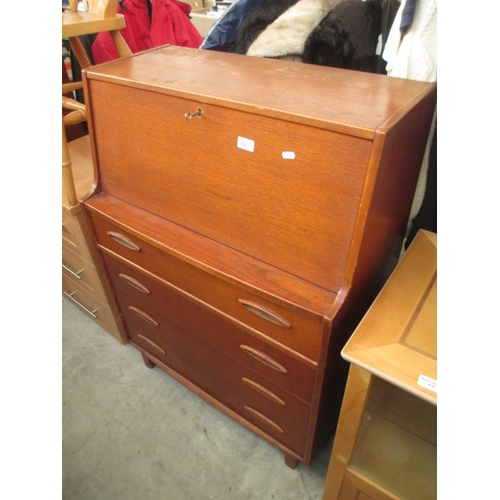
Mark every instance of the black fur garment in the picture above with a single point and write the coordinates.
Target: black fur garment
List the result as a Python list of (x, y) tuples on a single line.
[(347, 36), (257, 20)]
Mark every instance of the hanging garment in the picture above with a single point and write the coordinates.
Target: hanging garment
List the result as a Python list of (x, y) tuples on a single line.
[(257, 20), (347, 36), (136, 33), (168, 23), (407, 15), (413, 54), (223, 33), (286, 36)]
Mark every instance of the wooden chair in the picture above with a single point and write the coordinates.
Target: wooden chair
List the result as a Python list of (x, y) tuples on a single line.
[(101, 16), (83, 281)]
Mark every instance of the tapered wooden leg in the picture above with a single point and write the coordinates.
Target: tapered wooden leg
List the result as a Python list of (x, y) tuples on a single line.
[(148, 362), (291, 461)]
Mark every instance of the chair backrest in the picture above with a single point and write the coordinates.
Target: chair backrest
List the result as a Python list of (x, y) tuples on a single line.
[(77, 114), (102, 16)]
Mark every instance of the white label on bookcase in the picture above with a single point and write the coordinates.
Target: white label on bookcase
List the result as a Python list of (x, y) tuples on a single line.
[(246, 144), (428, 383)]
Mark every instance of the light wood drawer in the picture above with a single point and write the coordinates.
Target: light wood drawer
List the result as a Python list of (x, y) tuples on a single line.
[(74, 229), (90, 305), (289, 326), (83, 272), (167, 307), (70, 231), (258, 400)]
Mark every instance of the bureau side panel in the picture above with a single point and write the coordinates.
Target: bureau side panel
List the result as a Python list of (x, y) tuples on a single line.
[(394, 168), (284, 193)]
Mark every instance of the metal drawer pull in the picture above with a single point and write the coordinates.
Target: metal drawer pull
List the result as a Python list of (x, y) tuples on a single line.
[(264, 419), (188, 115), (151, 343), (265, 313), (134, 283), (79, 304), (124, 241), (143, 315), (263, 358), (73, 273), (264, 391)]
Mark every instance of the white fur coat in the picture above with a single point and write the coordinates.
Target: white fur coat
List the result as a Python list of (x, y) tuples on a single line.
[(285, 37)]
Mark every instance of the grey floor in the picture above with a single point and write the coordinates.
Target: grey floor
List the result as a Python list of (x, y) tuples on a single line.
[(132, 433)]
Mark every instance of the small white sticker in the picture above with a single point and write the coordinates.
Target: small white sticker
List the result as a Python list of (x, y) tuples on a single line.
[(428, 383), (246, 144), (288, 155)]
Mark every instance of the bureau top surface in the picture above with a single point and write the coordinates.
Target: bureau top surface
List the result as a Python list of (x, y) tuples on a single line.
[(347, 101)]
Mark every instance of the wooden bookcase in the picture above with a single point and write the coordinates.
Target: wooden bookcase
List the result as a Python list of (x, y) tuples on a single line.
[(386, 441)]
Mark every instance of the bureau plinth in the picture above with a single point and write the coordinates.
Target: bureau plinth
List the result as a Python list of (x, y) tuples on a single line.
[(248, 210)]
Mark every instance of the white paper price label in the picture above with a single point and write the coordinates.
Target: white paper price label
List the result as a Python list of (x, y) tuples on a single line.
[(246, 144), (428, 383)]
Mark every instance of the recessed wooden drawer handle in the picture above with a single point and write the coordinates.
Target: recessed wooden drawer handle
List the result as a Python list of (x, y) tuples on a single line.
[(263, 391), (151, 343), (264, 312), (134, 283), (124, 241), (264, 358), (143, 315), (264, 419)]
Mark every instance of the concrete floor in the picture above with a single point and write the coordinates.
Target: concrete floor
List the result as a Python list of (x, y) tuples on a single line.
[(132, 433)]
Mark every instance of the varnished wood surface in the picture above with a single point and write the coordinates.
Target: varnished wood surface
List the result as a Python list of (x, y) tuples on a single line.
[(168, 305), (319, 186), (325, 97), (397, 339), (210, 256), (179, 268), (353, 406), (386, 439), (305, 221), (82, 168), (85, 23)]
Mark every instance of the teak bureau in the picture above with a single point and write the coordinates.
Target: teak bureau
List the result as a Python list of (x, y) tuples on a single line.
[(248, 211)]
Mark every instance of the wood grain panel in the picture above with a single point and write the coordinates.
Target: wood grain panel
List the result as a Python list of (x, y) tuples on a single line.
[(303, 335), (177, 169), (171, 307)]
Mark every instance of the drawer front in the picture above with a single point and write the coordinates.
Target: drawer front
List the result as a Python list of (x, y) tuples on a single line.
[(90, 305), (307, 181), (74, 230), (69, 231), (268, 406), (167, 307), (83, 272), (293, 327)]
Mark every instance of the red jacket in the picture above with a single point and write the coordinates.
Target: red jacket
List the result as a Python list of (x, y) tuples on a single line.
[(169, 24)]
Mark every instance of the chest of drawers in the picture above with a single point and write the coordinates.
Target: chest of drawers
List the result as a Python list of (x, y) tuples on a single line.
[(83, 283), (248, 211)]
